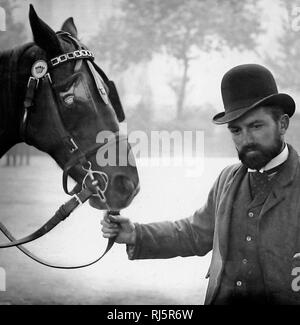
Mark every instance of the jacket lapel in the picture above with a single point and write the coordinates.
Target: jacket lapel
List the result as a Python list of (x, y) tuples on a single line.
[(285, 178), (225, 209), (225, 206)]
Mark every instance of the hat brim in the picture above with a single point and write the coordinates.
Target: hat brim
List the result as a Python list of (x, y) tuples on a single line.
[(283, 100)]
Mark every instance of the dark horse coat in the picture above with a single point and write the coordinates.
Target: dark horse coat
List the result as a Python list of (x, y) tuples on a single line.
[(208, 229)]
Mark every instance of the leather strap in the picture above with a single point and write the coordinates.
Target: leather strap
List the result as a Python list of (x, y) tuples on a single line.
[(30, 92), (56, 266), (61, 214), (28, 104)]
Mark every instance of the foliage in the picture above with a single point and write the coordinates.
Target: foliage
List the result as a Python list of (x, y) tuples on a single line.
[(285, 63), (181, 29)]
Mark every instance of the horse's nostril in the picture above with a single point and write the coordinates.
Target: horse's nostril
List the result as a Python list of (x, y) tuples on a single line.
[(123, 184)]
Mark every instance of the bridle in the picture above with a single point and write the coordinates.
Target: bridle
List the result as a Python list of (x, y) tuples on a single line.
[(79, 156), (94, 183)]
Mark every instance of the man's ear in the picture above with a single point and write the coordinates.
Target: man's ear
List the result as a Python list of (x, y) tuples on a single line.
[(284, 123), (69, 27), (43, 35)]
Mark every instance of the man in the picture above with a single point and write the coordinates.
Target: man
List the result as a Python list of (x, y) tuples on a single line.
[(251, 220)]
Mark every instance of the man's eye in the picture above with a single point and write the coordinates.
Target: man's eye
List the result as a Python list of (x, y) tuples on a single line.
[(234, 131), (257, 126)]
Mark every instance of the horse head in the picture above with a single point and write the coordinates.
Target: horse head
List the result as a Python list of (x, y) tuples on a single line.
[(72, 112)]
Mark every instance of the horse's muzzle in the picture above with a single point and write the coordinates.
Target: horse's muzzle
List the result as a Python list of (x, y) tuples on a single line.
[(122, 191)]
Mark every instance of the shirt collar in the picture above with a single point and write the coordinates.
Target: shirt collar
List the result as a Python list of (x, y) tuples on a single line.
[(276, 161)]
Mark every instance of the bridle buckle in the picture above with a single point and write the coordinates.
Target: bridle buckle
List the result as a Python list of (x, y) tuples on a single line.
[(77, 199), (74, 145)]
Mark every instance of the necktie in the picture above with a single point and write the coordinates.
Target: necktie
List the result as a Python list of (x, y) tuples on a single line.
[(259, 184)]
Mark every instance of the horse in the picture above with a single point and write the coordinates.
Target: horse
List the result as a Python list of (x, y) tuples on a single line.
[(53, 96)]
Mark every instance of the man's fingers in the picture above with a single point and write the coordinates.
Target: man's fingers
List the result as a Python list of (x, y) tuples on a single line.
[(106, 235), (110, 218), (110, 229), (119, 227), (109, 224), (110, 232)]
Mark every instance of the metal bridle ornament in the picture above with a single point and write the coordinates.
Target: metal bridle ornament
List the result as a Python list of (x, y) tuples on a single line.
[(90, 184), (100, 192), (75, 55)]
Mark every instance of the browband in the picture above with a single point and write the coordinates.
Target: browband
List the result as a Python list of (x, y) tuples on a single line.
[(75, 55)]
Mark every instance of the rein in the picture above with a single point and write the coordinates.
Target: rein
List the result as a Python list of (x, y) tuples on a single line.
[(91, 186)]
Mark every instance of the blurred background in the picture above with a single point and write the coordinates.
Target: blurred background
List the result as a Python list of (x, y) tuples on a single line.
[(167, 58)]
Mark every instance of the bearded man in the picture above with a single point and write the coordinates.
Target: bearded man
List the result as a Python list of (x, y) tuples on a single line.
[(251, 218)]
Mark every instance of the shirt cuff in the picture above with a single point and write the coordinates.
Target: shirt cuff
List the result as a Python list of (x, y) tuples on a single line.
[(132, 249)]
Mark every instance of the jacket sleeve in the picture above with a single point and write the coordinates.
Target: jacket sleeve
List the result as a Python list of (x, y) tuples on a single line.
[(185, 237)]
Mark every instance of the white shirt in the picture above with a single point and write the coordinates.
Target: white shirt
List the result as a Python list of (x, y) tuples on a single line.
[(276, 161)]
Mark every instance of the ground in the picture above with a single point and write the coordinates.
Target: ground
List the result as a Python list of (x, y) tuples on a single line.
[(31, 194)]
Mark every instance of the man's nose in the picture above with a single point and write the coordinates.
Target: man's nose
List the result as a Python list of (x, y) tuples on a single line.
[(247, 138)]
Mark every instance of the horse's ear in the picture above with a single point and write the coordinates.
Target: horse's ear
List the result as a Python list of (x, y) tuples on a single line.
[(43, 35), (69, 26)]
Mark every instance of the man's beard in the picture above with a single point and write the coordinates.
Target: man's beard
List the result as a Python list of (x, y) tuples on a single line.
[(256, 156)]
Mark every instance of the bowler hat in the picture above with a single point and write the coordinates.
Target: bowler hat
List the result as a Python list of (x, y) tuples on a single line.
[(248, 86)]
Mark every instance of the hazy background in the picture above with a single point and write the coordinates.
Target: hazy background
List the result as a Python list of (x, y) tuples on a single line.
[(167, 58)]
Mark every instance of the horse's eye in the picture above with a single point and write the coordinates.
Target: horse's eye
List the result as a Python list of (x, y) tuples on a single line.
[(69, 100)]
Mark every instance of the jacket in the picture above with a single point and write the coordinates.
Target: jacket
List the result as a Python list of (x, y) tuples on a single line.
[(208, 229)]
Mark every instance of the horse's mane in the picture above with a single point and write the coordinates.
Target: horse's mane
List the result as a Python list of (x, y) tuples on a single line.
[(9, 94)]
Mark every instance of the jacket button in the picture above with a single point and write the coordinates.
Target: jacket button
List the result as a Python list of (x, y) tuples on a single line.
[(248, 238), (245, 261), (251, 214), (239, 283)]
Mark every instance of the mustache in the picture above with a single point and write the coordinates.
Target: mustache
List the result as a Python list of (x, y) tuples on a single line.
[(250, 147)]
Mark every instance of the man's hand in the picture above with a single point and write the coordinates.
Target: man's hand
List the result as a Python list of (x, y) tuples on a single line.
[(121, 228)]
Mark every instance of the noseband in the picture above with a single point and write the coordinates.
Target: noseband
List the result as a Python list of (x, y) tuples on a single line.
[(91, 185)]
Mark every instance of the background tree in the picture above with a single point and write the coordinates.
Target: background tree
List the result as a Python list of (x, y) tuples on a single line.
[(285, 63), (182, 29), (14, 33)]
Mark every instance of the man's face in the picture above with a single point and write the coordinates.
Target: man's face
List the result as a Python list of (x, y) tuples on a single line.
[(257, 137)]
